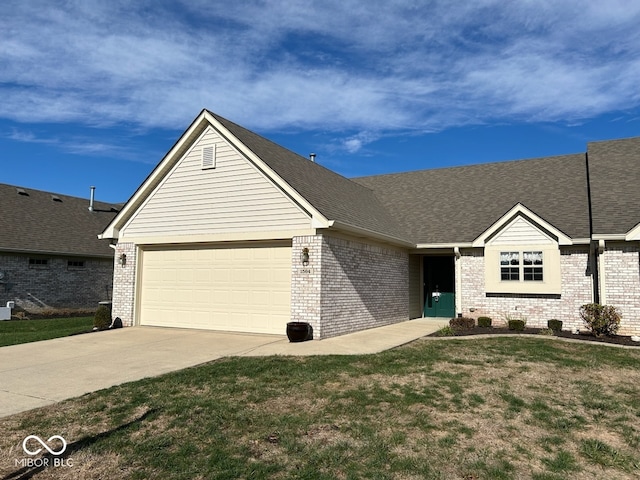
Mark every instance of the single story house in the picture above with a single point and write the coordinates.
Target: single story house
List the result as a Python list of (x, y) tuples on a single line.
[(233, 232), (50, 258)]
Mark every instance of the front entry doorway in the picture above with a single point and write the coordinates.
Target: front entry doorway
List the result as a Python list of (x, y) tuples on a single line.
[(439, 286)]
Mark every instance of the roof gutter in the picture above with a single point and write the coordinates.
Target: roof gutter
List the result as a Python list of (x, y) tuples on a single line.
[(48, 252), (458, 245), (611, 236), (365, 232)]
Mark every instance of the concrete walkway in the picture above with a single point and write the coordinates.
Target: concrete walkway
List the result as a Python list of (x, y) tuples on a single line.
[(41, 373)]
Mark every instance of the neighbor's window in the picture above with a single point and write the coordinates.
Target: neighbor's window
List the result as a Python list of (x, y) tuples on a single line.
[(75, 263), (515, 266), (38, 262)]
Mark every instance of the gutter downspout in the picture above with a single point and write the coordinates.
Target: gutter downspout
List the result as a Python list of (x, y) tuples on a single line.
[(601, 269), (458, 279), (594, 262)]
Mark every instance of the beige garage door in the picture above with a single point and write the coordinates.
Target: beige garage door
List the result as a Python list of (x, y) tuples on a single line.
[(240, 289)]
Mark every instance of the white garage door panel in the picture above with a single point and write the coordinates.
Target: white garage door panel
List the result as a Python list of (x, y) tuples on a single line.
[(235, 289)]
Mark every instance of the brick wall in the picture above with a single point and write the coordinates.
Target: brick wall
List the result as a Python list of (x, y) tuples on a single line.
[(56, 285), (348, 285), (363, 286), (576, 291), (622, 284), (124, 281)]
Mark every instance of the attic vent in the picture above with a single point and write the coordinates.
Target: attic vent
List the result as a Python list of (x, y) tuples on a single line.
[(22, 191), (56, 198), (209, 157)]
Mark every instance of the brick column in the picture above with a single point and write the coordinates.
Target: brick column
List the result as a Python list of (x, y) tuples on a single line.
[(124, 282), (306, 282)]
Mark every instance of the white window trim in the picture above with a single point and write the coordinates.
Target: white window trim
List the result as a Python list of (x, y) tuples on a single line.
[(551, 283), (521, 265)]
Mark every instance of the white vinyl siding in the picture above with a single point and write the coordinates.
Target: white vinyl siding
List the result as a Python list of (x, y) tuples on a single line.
[(232, 197), (521, 232), (232, 288)]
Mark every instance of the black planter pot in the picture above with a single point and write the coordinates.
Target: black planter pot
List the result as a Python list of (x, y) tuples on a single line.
[(298, 331)]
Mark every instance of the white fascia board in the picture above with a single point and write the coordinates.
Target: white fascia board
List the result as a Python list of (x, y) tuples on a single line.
[(113, 229), (633, 234), (507, 218), (366, 233), (581, 241), (109, 233), (319, 220), (611, 236), (430, 246)]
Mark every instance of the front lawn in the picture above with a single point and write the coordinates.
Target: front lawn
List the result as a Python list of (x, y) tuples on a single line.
[(13, 332), (500, 408)]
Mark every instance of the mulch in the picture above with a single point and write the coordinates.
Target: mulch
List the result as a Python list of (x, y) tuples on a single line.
[(584, 336)]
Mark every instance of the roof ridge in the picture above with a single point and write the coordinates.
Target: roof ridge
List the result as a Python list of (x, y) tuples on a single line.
[(613, 140), (471, 165), (30, 189)]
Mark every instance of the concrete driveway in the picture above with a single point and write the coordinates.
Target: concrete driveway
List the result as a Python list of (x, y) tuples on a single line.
[(41, 373)]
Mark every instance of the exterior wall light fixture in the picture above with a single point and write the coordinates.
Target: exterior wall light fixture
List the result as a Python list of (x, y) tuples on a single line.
[(122, 259), (304, 256)]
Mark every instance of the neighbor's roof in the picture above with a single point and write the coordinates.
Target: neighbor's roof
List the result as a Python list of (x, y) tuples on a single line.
[(334, 196), (51, 223), (456, 205), (614, 170)]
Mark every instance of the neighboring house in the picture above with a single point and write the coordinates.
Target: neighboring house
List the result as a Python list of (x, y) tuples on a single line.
[(50, 258), (233, 232)]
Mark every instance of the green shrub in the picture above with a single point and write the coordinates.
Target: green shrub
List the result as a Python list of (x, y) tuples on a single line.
[(102, 318), (546, 331), (446, 332), (516, 324), (555, 325), (462, 323), (484, 321), (600, 319)]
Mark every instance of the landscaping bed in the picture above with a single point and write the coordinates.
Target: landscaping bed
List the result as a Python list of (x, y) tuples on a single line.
[(583, 336)]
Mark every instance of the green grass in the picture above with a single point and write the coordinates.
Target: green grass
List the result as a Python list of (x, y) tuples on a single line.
[(13, 332), (513, 408)]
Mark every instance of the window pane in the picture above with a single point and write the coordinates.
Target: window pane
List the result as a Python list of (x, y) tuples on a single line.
[(532, 258), (533, 274), (509, 273), (537, 274), (509, 258)]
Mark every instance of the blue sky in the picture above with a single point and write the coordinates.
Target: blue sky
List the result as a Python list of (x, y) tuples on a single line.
[(96, 92)]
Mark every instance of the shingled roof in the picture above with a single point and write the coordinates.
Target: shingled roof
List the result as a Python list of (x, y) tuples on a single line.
[(614, 171), (333, 195), (455, 205), (449, 205), (34, 221)]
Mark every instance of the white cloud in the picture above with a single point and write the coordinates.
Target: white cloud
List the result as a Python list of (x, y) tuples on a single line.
[(356, 142), (337, 65)]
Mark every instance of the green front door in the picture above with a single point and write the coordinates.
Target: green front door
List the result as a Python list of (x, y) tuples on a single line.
[(439, 283)]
